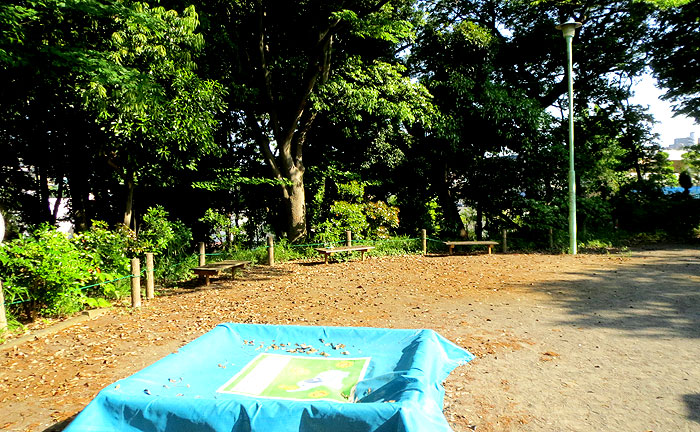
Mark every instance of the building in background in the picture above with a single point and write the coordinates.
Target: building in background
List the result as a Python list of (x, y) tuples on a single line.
[(681, 143)]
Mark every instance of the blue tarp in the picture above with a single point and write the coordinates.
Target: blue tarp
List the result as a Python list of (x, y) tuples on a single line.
[(207, 384)]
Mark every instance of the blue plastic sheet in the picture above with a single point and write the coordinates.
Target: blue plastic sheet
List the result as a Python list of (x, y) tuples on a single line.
[(211, 384)]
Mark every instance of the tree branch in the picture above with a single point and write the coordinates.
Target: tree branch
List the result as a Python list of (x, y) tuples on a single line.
[(264, 144), (319, 65), (265, 70), (300, 137)]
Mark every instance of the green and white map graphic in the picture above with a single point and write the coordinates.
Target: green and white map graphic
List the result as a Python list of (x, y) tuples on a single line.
[(298, 378)]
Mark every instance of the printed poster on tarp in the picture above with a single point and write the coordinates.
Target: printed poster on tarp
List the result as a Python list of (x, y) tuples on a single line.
[(298, 378)]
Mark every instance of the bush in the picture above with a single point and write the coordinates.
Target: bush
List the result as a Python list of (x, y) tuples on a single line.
[(156, 231), (366, 219), (47, 270), (345, 216), (108, 248), (381, 218), (168, 241)]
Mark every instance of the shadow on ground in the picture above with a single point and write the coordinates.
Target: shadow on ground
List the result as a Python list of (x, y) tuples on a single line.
[(692, 403), (226, 281), (656, 295)]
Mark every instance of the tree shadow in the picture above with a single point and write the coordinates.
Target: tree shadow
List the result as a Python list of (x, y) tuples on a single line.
[(657, 297), (692, 404), (225, 281)]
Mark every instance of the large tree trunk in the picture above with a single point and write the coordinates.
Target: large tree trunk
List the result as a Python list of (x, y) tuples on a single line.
[(78, 187), (44, 194), (289, 122), (479, 228), (452, 222), (296, 202), (59, 198), (129, 204)]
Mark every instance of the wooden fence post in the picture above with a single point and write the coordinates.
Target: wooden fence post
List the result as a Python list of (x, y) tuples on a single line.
[(3, 317), (270, 250), (348, 238), (424, 240), (202, 254), (505, 241), (150, 282), (135, 283)]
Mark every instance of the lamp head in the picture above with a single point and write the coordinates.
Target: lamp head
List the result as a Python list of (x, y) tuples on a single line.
[(569, 28)]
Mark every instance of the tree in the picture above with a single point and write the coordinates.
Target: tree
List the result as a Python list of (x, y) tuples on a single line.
[(97, 82), (691, 159), (685, 181), (159, 112), (278, 57), (674, 50)]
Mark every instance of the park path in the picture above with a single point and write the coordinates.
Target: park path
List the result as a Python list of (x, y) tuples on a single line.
[(611, 348)]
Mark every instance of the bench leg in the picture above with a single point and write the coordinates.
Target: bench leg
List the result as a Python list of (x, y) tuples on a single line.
[(489, 249), (452, 249), (362, 254), (325, 258), (206, 277)]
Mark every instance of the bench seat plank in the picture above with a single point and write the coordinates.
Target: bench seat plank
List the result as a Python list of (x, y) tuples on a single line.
[(488, 243), (326, 252), (214, 269)]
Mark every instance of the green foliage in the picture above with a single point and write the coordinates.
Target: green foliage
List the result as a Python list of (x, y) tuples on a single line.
[(344, 216), (170, 269), (374, 89), (435, 216), (691, 159), (98, 302), (162, 236), (674, 55), (540, 215), (594, 213), (399, 245), (230, 178), (146, 88), (169, 241), (352, 191), (47, 270), (108, 248), (157, 231), (381, 218), (218, 223), (365, 219)]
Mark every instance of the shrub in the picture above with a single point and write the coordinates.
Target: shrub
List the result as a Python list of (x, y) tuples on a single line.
[(381, 218), (169, 241), (107, 247), (162, 236), (365, 219), (156, 231), (47, 270)]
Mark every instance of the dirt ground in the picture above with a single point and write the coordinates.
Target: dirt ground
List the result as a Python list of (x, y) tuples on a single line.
[(563, 343)]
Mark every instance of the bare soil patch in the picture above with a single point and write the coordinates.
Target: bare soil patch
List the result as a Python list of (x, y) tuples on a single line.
[(579, 343)]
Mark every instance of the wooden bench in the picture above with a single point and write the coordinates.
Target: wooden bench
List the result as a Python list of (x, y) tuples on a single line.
[(326, 252), (214, 269), (452, 244)]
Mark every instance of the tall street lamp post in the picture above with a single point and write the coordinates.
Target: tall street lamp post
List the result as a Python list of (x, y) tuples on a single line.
[(569, 29)]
